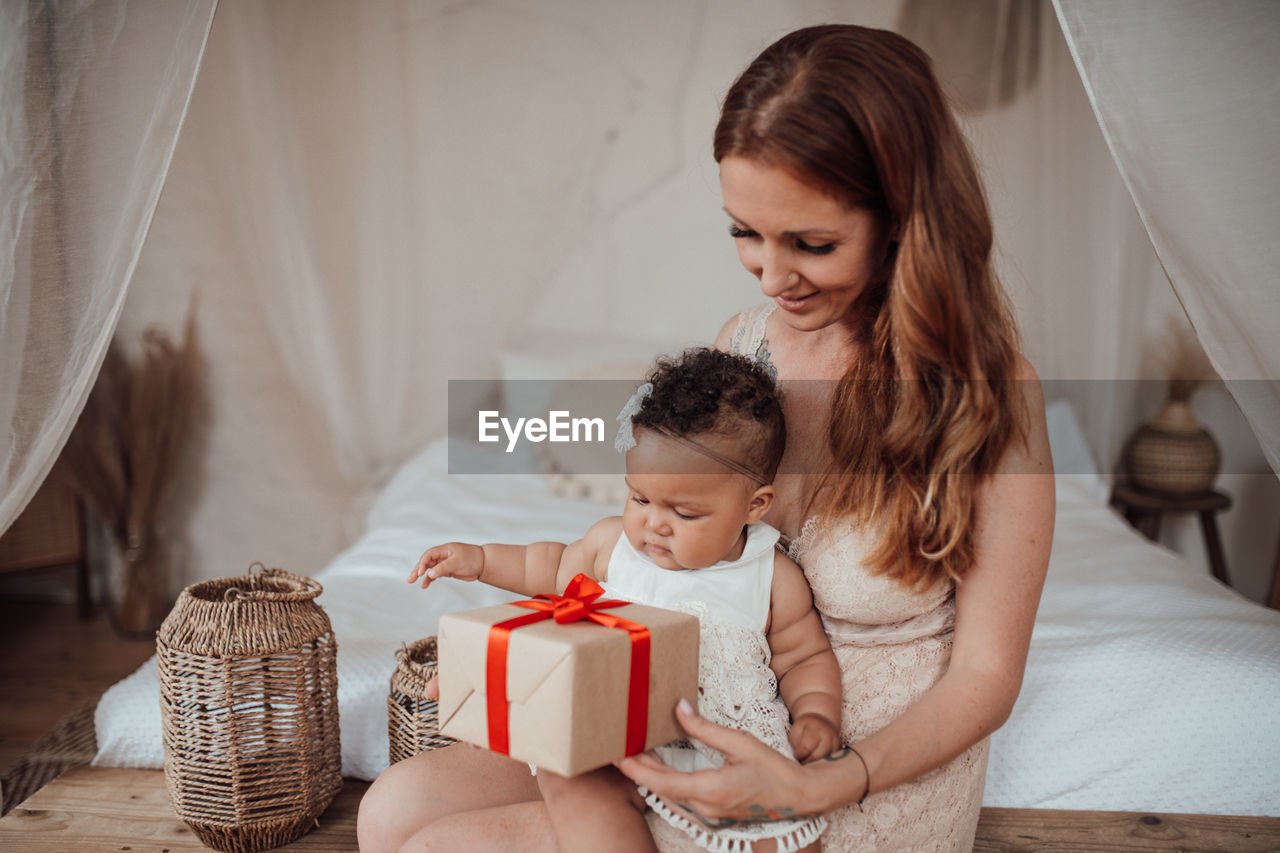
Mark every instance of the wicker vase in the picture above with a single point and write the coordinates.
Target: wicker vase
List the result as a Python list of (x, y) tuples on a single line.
[(412, 721), (249, 705), (136, 582), (1173, 454)]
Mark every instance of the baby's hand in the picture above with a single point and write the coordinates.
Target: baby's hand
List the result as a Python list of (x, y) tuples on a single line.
[(455, 560), (813, 737)]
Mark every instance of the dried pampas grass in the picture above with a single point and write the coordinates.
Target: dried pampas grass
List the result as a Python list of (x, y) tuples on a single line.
[(1183, 360), (125, 453)]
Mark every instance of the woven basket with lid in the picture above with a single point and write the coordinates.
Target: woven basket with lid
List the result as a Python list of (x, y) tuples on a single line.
[(412, 719), (249, 708)]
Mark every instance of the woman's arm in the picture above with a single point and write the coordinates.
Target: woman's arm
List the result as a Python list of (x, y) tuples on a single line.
[(996, 606), (995, 609)]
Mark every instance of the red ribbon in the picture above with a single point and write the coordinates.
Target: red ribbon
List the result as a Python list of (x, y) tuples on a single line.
[(578, 602)]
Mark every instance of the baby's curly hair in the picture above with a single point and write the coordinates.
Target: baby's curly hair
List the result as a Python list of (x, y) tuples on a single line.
[(710, 392)]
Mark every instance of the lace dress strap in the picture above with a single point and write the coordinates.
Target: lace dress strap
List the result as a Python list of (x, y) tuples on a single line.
[(748, 336)]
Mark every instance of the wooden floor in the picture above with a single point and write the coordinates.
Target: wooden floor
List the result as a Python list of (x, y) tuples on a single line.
[(106, 808), (52, 663)]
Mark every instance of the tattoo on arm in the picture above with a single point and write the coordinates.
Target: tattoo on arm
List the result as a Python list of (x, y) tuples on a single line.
[(758, 814), (765, 359)]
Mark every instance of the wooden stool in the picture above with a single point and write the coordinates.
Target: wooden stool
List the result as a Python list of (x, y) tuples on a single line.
[(1145, 510), (1273, 597)]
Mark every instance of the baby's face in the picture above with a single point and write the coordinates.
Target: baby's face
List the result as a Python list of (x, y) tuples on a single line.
[(684, 510)]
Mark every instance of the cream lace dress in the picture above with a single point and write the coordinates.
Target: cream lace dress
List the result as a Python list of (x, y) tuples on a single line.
[(736, 686), (893, 644)]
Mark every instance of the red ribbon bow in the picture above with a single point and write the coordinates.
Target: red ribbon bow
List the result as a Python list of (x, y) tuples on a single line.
[(580, 601)]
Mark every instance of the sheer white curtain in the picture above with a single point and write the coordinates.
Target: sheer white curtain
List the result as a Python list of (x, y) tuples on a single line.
[(92, 96), (1186, 94), (312, 162), (408, 184), (1070, 248)]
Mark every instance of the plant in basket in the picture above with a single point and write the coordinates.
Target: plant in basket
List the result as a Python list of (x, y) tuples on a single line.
[(124, 457)]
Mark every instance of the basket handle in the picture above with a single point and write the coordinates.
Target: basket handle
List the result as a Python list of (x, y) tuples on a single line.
[(306, 587)]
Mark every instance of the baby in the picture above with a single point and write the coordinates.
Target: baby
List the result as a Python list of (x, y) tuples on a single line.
[(708, 434)]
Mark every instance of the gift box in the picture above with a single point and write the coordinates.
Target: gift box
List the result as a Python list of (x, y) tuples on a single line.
[(569, 683)]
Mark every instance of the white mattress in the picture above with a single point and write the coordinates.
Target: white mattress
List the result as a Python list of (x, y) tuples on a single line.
[(1149, 686)]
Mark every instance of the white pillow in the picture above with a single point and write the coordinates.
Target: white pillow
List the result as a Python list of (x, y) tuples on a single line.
[(532, 373), (556, 355), (1072, 460), (595, 470)]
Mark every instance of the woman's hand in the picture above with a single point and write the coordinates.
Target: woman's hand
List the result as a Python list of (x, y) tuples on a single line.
[(455, 560), (756, 784)]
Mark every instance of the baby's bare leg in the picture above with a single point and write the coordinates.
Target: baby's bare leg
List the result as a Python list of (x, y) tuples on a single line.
[(600, 810), (412, 794)]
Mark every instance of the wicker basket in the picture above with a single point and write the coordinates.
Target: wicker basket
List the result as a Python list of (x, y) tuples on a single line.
[(1173, 454), (249, 705), (412, 724)]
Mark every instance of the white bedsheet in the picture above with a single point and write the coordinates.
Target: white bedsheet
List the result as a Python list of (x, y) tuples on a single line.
[(1149, 686)]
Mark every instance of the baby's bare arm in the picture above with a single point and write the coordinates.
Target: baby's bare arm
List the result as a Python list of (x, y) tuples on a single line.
[(807, 670), (590, 554), (525, 569)]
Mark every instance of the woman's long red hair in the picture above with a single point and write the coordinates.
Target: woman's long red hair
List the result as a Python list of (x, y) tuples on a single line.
[(926, 412)]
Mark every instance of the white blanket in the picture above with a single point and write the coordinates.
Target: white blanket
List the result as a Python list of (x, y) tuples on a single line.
[(1149, 686)]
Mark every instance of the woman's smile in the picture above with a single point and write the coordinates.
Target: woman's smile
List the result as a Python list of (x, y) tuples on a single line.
[(795, 303), (813, 254)]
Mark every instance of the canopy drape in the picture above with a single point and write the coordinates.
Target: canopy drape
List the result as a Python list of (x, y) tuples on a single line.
[(314, 157), (92, 96), (1187, 94)]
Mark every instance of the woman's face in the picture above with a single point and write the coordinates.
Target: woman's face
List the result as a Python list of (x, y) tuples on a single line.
[(813, 254)]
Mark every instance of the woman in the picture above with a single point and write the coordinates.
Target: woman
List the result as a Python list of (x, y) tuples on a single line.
[(854, 200), (917, 487)]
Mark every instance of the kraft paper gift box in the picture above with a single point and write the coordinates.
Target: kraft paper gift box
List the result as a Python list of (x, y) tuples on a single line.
[(568, 685)]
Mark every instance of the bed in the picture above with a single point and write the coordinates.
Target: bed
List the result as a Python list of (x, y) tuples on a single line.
[(1149, 685)]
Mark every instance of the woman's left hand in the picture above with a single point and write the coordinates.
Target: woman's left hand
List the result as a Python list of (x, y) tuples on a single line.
[(756, 784)]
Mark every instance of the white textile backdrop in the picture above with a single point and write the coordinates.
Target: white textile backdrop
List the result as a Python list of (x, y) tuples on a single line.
[(395, 194), (1188, 96), (312, 153), (373, 198), (92, 95)]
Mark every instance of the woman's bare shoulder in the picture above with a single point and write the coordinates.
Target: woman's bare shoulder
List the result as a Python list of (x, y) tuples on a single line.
[(1023, 369), (1031, 454), (726, 332)]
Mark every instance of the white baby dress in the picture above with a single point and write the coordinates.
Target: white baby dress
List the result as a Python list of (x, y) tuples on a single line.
[(736, 687)]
